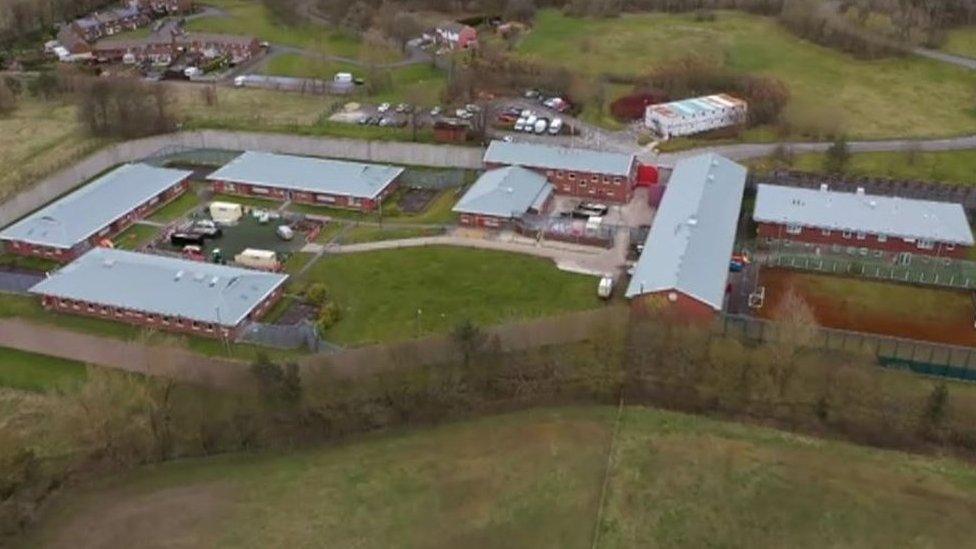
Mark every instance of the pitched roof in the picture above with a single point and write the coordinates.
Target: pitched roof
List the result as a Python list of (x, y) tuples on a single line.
[(559, 158), (303, 173), (859, 212), (86, 211), (691, 239), (505, 192), (168, 286)]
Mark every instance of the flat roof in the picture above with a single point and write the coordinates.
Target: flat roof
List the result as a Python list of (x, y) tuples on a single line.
[(858, 212), (559, 158), (505, 192), (695, 105), (204, 292), (86, 211), (303, 173), (693, 234)]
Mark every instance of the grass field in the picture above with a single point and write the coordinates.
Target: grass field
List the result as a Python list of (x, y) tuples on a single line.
[(370, 233), (950, 166), (38, 373), (534, 479), (869, 99), (177, 208), (884, 308), (135, 236), (961, 41), (28, 262), (438, 212), (381, 292)]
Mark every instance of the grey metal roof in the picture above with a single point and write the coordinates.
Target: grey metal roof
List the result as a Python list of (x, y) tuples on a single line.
[(858, 212), (81, 214), (154, 284), (691, 240), (559, 158), (505, 192), (303, 173)]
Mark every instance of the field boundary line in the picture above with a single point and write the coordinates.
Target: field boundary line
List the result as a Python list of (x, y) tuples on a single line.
[(606, 475)]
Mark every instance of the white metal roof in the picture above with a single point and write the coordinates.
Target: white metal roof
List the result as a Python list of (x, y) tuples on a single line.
[(86, 211), (168, 286), (691, 240), (858, 212), (505, 192), (559, 158), (303, 173)]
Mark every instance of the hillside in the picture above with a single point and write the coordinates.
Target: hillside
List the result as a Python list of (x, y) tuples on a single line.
[(534, 479)]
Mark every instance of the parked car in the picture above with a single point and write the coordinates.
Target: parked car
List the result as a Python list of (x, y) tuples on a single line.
[(531, 94), (472, 108), (182, 239), (364, 120), (384, 107), (541, 125), (436, 111), (556, 126), (605, 289), (207, 228), (592, 209), (519, 124), (386, 122), (404, 108)]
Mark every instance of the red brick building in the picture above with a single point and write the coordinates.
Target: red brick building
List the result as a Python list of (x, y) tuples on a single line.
[(315, 181), (163, 293), (846, 222), (454, 35), (160, 49), (683, 270), (595, 175), (72, 225)]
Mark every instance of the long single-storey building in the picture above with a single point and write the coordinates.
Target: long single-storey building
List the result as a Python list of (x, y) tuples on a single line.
[(845, 221), (597, 175), (161, 292), (318, 181), (696, 115), (684, 267), (71, 225), (502, 195)]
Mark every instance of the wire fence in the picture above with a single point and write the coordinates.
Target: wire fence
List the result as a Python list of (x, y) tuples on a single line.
[(937, 359), (860, 262)]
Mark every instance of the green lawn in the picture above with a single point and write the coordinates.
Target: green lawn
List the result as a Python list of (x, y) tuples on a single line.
[(438, 212), (951, 166), (300, 66), (251, 17), (177, 208), (534, 479), (135, 236), (883, 98), (381, 292), (373, 233), (961, 41), (38, 373), (27, 262)]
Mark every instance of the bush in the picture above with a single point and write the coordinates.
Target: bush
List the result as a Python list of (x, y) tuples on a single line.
[(632, 107), (317, 293), (329, 314)]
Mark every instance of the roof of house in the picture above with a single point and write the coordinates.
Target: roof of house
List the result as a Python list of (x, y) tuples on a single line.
[(179, 39), (696, 105), (79, 215), (859, 212), (304, 173), (559, 158), (195, 290), (505, 192), (693, 233)]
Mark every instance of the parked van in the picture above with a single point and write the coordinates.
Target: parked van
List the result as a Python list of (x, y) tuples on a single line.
[(605, 289), (342, 78), (265, 260)]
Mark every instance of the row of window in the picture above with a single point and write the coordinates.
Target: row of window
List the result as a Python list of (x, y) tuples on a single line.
[(119, 312), (922, 244), (607, 180)]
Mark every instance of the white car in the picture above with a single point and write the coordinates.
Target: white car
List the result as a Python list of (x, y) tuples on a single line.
[(384, 107), (436, 111), (530, 123), (541, 125), (472, 108), (519, 125), (556, 126)]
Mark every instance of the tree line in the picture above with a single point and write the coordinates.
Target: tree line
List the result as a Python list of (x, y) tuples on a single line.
[(22, 20), (116, 421)]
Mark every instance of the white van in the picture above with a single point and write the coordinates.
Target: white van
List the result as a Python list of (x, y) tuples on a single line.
[(342, 78), (265, 260), (605, 289)]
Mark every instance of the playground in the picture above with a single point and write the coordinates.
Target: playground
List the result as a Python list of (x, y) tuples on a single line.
[(900, 310)]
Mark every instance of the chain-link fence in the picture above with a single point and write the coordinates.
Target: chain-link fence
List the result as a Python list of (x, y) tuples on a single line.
[(566, 229), (425, 178), (936, 359), (284, 336), (874, 264)]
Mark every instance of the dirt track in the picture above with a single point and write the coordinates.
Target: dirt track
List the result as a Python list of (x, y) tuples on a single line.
[(890, 309)]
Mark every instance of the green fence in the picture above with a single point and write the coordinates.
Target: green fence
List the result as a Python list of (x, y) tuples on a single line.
[(916, 269)]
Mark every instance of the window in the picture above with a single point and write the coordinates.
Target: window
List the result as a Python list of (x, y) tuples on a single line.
[(847, 234), (582, 184), (259, 190), (572, 176), (595, 178), (825, 232), (882, 238), (926, 244), (794, 228), (861, 236), (325, 198), (950, 247)]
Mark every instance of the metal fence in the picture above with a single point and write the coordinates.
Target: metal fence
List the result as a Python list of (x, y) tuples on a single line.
[(915, 269), (951, 361), (290, 336), (434, 178)]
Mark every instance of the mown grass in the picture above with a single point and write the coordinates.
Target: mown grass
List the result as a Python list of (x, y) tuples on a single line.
[(135, 236), (534, 479), (399, 294), (29, 263), (38, 373), (373, 233), (869, 99), (177, 208), (958, 167)]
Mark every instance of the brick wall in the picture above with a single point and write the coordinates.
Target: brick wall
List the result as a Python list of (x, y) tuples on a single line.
[(862, 240)]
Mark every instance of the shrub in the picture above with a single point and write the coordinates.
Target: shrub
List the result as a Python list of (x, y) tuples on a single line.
[(329, 314), (317, 293)]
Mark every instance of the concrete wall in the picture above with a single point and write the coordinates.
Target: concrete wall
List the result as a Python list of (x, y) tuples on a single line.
[(419, 154)]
